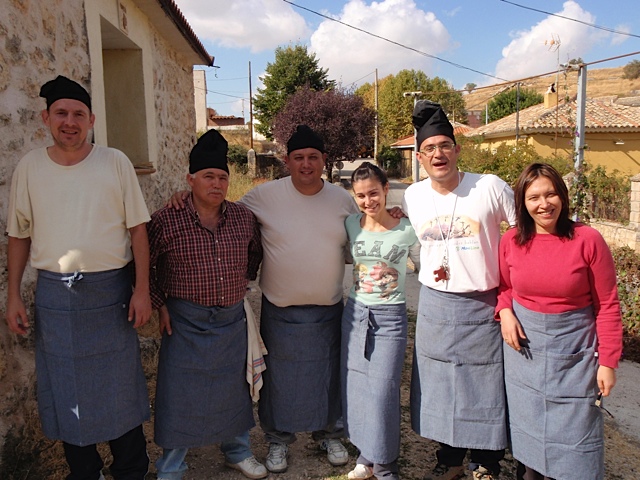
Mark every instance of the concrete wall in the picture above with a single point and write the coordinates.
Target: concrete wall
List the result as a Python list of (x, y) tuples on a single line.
[(41, 39)]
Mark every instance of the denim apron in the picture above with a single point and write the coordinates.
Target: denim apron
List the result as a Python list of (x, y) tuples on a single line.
[(301, 390), (555, 426), (202, 395), (457, 384), (91, 387), (374, 340)]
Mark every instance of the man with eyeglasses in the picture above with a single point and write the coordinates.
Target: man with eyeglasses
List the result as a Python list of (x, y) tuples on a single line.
[(457, 388)]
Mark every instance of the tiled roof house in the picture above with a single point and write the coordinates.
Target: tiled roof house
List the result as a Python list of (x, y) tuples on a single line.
[(612, 132)]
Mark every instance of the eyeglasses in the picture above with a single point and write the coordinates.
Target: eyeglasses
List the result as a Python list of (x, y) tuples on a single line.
[(430, 150)]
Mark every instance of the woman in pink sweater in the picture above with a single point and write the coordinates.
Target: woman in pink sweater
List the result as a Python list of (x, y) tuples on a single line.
[(560, 316)]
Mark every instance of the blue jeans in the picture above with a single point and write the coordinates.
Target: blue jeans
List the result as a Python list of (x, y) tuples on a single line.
[(171, 466)]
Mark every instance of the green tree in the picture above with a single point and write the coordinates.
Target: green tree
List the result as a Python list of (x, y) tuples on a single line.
[(631, 70), (469, 87), (394, 109), (504, 103), (293, 68), (341, 118)]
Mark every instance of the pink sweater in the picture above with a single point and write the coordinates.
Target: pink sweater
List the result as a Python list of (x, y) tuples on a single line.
[(555, 275)]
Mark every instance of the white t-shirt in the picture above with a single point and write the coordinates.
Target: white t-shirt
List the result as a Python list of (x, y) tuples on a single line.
[(76, 216), (478, 205), (304, 241)]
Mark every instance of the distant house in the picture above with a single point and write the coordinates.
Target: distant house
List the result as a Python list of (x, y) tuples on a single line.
[(474, 118), (612, 132), (225, 122)]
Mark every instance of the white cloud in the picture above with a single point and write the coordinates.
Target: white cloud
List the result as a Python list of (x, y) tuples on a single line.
[(528, 55), (350, 54), (452, 13), (619, 39), (255, 24)]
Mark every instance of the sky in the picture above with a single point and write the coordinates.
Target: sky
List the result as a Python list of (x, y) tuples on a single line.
[(463, 41)]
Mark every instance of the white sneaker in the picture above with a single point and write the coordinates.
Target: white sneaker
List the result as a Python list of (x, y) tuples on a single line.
[(336, 453), (277, 457), (250, 468), (361, 472)]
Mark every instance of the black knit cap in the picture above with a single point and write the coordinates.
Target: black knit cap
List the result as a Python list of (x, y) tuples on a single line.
[(209, 152), (304, 137), (62, 87), (430, 120)]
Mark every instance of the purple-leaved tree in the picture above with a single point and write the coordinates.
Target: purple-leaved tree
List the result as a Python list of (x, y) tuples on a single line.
[(339, 116)]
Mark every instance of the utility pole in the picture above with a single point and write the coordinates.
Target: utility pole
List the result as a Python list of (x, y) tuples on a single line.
[(375, 127), (250, 110), (581, 104), (414, 158), (517, 112), (581, 107)]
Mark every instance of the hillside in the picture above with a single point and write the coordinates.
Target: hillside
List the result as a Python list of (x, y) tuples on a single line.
[(600, 83)]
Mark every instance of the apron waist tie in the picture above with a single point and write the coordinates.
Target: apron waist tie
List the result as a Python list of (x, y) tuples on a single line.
[(72, 279)]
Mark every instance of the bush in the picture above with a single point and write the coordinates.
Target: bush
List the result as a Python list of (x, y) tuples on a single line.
[(609, 195), (390, 159), (628, 270), (631, 70), (507, 162), (237, 156)]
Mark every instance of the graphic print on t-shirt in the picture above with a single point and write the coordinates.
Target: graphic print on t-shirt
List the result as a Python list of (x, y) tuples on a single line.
[(464, 232), (380, 277)]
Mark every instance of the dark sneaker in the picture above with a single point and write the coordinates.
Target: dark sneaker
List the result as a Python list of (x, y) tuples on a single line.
[(445, 472)]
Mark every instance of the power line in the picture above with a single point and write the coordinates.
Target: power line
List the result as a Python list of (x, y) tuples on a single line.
[(364, 76), (593, 25), (457, 65), (227, 79), (513, 83), (220, 93)]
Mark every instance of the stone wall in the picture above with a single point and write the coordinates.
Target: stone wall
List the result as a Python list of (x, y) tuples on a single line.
[(39, 40), (618, 235)]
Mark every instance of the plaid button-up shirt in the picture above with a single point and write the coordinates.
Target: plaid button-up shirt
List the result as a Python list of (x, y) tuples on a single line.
[(192, 263)]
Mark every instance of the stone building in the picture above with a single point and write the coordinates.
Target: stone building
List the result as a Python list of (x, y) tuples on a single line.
[(136, 58)]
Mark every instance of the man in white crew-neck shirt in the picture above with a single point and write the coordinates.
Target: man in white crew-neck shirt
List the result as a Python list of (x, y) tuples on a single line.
[(302, 223), (457, 388), (76, 210)]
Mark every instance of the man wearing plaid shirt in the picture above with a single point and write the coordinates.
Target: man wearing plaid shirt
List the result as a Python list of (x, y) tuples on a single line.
[(202, 258)]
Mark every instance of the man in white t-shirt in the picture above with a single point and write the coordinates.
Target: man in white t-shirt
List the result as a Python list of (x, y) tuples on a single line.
[(76, 210), (302, 224), (457, 389)]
